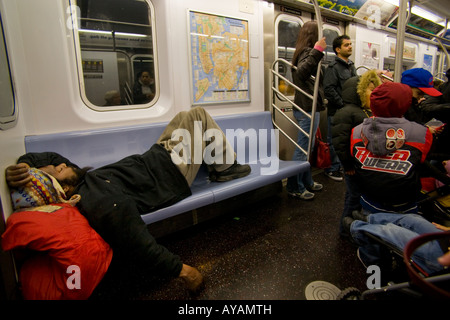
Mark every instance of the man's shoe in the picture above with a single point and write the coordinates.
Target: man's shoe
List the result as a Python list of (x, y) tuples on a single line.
[(236, 171), (335, 175), (305, 195), (193, 279)]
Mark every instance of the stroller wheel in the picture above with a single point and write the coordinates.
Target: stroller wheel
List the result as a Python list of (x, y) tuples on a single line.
[(349, 294)]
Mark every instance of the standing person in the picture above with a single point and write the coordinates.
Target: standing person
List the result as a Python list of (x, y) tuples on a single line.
[(114, 196), (337, 72), (308, 53)]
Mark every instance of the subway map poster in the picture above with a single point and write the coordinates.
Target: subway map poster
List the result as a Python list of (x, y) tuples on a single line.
[(219, 48)]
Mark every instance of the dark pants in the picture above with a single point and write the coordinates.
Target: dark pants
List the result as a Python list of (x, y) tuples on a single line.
[(352, 199)]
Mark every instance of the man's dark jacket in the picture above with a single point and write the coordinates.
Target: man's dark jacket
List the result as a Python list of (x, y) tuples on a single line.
[(114, 196), (335, 76)]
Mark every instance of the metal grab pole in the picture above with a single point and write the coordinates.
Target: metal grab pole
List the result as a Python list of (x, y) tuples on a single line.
[(399, 45), (316, 84), (445, 51)]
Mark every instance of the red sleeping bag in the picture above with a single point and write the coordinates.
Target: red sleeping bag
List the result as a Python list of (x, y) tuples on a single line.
[(71, 257)]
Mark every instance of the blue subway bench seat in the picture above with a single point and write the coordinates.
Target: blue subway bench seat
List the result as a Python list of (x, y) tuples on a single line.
[(251, 134)]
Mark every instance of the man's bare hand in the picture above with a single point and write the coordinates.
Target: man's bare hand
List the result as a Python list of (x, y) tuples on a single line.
[(17, 175)]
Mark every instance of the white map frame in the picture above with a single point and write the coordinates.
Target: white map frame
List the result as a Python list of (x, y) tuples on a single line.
[(240, 91)]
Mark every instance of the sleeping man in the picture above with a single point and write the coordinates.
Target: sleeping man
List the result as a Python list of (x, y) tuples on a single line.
[(113, 197)]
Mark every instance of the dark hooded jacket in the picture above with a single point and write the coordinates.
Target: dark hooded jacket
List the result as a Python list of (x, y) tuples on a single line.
[(346, 119), (337, 72)]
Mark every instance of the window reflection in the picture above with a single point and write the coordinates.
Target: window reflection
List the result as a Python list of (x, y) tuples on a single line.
[(112, 34), (329, 35)]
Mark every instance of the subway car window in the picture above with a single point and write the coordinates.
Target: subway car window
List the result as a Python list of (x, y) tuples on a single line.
[(329, 35), (118, 56), (7, 101), (287, 32)]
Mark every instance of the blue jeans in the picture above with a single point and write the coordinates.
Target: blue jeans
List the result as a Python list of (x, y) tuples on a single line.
[(299, 182), (398, 230), (335, 163)]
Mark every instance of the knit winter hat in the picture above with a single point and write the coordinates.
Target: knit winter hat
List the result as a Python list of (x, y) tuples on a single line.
[(43, 189), (390, 100)]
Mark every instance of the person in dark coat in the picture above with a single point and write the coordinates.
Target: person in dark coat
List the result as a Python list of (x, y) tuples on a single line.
[(337, 72), (438, 107), (356, 96), (114, 196)]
